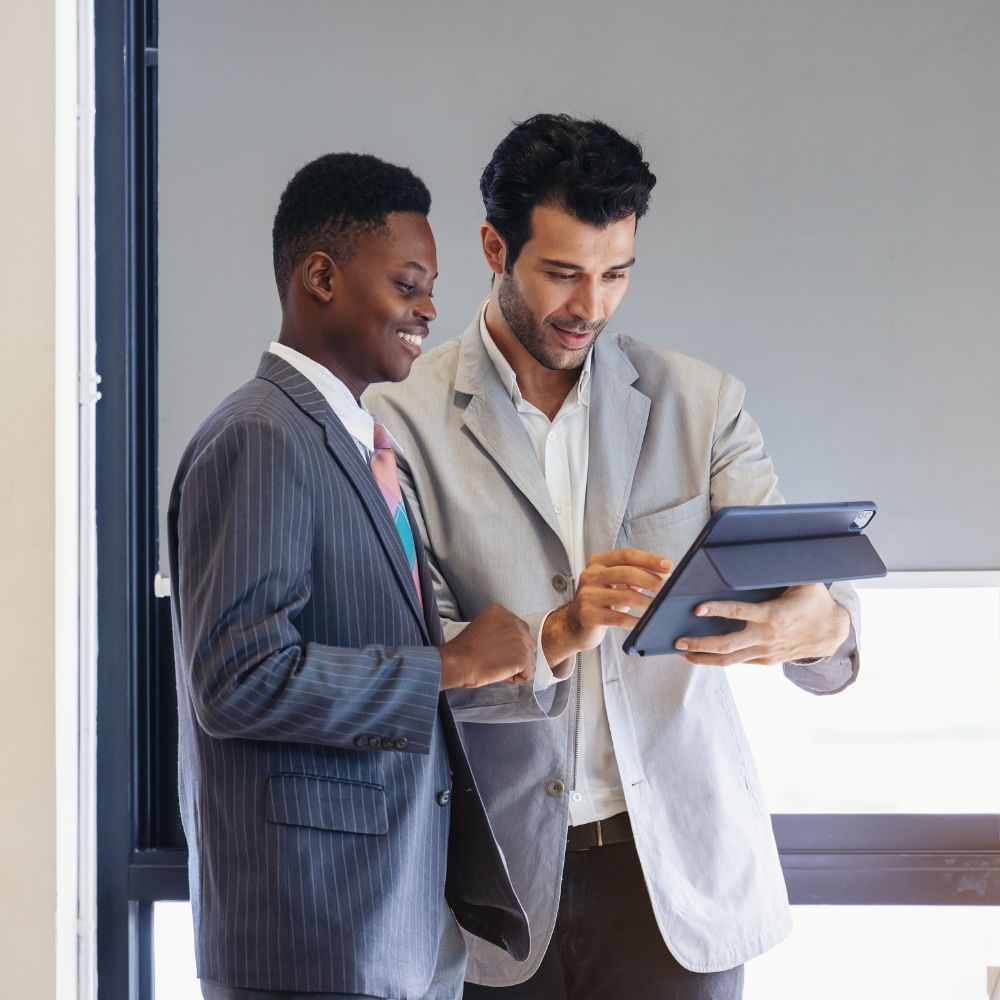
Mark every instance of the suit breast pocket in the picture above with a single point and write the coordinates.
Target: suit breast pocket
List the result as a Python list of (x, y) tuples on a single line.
[(668, 531), (326, 804)]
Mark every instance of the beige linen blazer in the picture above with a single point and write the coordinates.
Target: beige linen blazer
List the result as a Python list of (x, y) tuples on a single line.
[(670, 441)]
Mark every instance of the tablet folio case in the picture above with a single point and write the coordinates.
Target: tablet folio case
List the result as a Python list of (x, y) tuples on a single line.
[(751, 571)]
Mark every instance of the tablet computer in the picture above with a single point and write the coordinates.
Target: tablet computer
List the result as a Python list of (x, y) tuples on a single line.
[(753, 554)]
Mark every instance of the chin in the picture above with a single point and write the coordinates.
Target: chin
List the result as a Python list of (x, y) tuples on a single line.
[(399, 374), (565, 360)]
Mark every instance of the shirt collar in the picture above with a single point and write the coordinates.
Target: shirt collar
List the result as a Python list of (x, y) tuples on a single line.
[(359, 423), (508, 377)]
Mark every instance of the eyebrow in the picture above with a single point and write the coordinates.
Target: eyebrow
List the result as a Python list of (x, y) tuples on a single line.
[(567, 266), (420, 267)]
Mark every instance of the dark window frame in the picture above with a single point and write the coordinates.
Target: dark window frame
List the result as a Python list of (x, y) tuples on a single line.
[(129, 622), (839, 859)]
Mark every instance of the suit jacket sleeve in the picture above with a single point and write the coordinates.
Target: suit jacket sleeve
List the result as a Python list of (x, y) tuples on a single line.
[(245, 538), (742, 473)]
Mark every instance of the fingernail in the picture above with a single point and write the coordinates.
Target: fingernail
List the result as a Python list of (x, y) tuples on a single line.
[(701, 612), (681, 644), (665, 563)]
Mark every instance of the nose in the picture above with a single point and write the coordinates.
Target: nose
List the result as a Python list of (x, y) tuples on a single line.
[(587, 304), (424, 309)]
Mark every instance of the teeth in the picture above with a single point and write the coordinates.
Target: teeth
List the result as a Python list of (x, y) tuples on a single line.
[(410, 338)]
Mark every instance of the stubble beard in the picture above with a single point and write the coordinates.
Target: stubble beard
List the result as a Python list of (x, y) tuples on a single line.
[(531, 335)]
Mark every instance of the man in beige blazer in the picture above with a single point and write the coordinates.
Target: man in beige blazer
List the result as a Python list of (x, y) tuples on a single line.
[(557, 469)]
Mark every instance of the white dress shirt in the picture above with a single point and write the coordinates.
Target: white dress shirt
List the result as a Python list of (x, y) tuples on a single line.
[(352, 413), (562, 447)]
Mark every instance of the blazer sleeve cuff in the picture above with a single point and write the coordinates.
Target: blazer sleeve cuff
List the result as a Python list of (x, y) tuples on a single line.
[(545, 697), (830, 674)]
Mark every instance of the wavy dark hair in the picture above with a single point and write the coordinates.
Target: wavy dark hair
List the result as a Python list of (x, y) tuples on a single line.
[(584, 167), (332, 201)]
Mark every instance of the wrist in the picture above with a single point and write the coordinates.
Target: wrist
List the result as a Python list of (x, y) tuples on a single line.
[(452, 669), (840, 628), (558, 637)]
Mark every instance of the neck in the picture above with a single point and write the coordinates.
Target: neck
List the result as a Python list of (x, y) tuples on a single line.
[(293, 336), (545, 388)]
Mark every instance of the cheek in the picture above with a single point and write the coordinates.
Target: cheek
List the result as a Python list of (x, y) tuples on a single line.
[(550, 300), (615, 294)]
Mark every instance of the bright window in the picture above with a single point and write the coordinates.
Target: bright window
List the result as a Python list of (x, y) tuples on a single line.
[(919, 732), (876, 952), (174, 972), (916, 952)]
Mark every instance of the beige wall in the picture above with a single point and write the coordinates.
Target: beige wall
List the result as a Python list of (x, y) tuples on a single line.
[(27, 519)]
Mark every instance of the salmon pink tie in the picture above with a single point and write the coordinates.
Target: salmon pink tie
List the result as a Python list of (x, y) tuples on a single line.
[(384, 470)]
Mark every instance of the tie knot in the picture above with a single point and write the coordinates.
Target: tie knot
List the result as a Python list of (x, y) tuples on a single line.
[(382, 437)]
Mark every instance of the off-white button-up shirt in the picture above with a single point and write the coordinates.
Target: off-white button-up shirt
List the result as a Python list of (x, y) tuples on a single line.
[(562, 447)]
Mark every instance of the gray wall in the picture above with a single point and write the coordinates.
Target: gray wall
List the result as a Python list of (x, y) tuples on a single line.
[(827, 222)]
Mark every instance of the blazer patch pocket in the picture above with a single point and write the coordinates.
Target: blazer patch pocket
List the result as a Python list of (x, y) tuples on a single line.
[(326, 804), (670, 518)]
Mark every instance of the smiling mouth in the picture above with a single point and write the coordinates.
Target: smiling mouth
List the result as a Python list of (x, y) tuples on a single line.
[(574, 337), (416, 339)]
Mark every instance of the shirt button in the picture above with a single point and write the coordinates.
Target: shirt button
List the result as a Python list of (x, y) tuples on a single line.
[(552, 436), (555, 787), (559, 582), (576, 796), (361, 741), (443, 798)]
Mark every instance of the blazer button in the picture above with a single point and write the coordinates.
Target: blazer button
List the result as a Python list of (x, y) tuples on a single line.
[(361, 741), (555, 787), (402, 743), (388, 743), (560, 582), (443, 798)]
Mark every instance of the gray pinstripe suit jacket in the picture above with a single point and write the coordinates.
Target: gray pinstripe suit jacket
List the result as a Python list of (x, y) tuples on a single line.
[(319, 768)]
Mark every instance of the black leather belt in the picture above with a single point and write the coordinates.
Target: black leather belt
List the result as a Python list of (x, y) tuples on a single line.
[(600, 833)]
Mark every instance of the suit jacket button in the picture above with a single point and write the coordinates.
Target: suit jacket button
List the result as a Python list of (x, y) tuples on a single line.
[(560, 582), (402, 743), (555, 787), (388, 743), (361, 741), (443, 798)]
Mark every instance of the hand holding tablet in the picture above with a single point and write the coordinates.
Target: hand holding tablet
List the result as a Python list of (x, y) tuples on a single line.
[(802, 624), (749, 555)]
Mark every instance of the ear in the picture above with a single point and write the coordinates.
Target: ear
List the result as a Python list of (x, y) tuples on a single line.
[(494, 247), (319, 271)]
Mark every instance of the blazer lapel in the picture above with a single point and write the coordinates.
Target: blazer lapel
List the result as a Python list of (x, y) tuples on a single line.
[(618, 415), (492, 420), (344, 450)]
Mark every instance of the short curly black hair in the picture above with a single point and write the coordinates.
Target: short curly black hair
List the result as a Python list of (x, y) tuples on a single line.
[(331, 201), (584, 167)]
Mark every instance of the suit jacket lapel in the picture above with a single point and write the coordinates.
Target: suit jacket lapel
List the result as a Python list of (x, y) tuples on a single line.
[(618, 415), (492, 420), (344, 450)]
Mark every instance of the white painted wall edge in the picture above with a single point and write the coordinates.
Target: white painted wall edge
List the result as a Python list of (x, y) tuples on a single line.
[(75, 515)]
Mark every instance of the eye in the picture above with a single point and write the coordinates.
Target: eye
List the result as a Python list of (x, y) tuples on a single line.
[(617, 275), (405, 288), (561, 277)]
